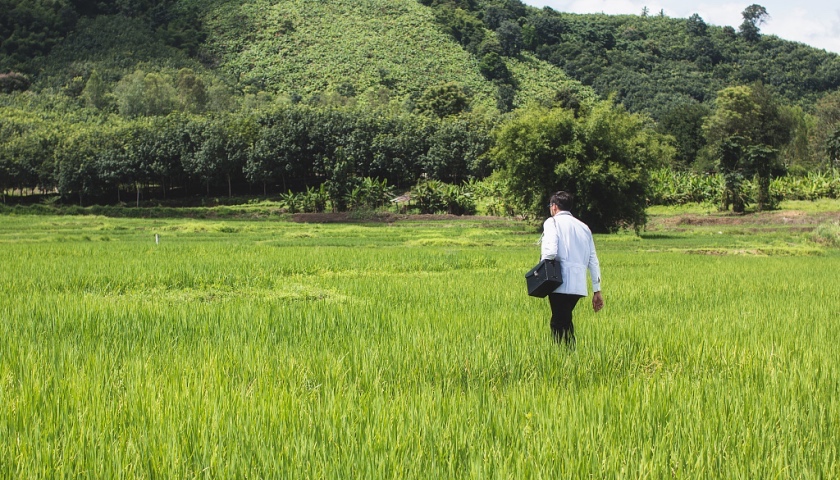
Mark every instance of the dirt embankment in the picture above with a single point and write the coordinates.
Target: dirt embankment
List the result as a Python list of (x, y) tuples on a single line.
[(790, 218)]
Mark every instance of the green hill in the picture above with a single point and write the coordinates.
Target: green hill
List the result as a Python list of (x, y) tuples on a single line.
[(291, 48), (304, 47), (114, 45), (265, 91)]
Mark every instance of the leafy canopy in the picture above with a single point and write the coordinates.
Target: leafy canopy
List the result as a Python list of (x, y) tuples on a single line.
[(603, 156)]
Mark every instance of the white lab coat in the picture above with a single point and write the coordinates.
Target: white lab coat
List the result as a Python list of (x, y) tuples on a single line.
[(567, 238)]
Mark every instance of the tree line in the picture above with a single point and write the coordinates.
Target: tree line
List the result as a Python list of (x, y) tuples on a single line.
[(595, 148), (165, 133), (599, 150), (288, 147)]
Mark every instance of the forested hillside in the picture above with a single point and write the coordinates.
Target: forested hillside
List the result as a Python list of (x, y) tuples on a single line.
[(652, 63), (179, 97), (298, 49)]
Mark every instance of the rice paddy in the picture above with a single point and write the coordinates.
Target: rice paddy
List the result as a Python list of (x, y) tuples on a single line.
[(271, 349)]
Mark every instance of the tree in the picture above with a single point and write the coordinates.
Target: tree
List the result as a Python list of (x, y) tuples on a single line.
[(696, 26), (796, 154), (505, 97), (685, 123), (77, 172), (13, 81), (544, 30), (223, 145), (832, 147), (95, 92), (30, 29), (454, 150), (752, 117), (494, 15), (145, 94), (754, 15), (731, 166), (462, 25), (443, 100), (509, 34), (826, 126), (25, 154), (493, 67), (123, 157), (604, 156), (192, 94)]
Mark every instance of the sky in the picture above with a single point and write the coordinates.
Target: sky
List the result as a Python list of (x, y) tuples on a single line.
[(813, 22)]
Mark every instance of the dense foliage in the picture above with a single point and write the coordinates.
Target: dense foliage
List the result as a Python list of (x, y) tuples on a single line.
[(289, 147), (671, 69), (746, 130), (672, 187), (655, 63), (31, 29), (602, 154), (165, 98)]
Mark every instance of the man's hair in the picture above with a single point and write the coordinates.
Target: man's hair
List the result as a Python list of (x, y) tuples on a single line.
[(563, 200)]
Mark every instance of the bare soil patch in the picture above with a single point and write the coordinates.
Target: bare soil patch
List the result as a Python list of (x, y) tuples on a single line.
[(379, 217)]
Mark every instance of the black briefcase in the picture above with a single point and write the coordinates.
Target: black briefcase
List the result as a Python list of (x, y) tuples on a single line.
[(544, 278)]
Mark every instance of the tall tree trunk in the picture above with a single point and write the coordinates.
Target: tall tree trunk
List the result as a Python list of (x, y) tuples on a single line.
[(137, 186), (724, 199), (763, 192), (230, 192), (738, 204)]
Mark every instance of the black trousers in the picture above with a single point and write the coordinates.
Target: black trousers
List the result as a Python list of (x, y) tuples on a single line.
[(562, 305)]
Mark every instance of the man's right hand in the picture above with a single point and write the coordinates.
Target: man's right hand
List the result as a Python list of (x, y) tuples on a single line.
[(597, 301)]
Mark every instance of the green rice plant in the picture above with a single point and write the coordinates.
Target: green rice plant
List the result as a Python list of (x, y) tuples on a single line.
[(409, 350), (827, 233)]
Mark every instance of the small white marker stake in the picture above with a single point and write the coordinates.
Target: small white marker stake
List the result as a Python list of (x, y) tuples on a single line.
[(157, 239)]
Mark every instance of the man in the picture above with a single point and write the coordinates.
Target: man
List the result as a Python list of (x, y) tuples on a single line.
[(569, 240)]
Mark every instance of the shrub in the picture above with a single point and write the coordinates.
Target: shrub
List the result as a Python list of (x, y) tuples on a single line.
[(13, 81), (603, 156), (432, 196)]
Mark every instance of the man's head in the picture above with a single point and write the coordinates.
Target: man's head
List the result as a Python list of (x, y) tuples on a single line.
[(562, 200)]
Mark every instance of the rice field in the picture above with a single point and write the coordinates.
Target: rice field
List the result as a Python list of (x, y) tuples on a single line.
[(270, 349)]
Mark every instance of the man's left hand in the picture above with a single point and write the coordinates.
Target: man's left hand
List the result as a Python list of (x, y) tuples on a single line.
[(597, 301)]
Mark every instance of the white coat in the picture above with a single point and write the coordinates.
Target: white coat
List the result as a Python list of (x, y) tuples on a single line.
[(570, 240)]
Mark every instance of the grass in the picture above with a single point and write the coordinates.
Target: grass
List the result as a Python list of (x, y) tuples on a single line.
[(250, 348), (817, 206)]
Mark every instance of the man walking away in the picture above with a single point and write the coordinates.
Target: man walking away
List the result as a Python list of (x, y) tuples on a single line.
[(569, 240)]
